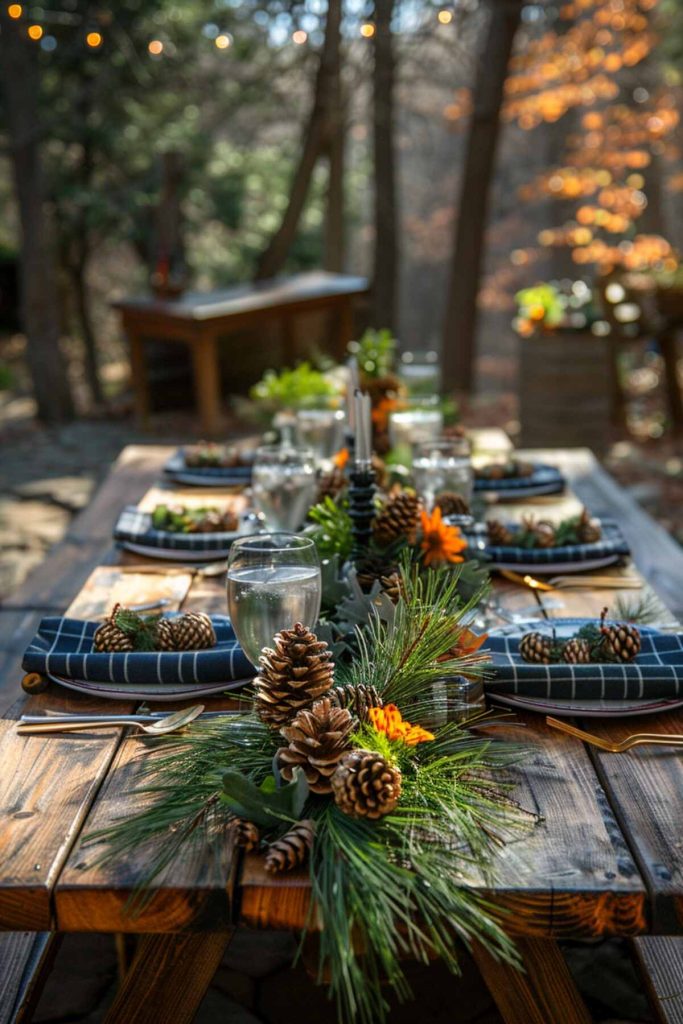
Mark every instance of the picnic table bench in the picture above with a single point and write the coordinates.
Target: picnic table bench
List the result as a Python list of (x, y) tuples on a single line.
[(606, 861)]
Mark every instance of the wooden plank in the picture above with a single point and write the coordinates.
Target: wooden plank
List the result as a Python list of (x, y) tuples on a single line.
[(168, 979), (643, 787), (656, 554), (25, 961), (544, 992), (46, 788), (661, 963)]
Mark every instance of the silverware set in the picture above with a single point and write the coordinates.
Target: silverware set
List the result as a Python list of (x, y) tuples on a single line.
[(153, 723)]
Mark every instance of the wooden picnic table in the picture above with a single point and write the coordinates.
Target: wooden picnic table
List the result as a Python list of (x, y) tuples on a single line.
[(201, 320), (606, 860)]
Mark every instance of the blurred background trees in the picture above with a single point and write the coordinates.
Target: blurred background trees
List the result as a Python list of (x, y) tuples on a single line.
[(390, 138)]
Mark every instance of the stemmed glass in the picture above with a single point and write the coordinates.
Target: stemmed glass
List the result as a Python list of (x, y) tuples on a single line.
[(273, 582), (284, 485), (440, 466)]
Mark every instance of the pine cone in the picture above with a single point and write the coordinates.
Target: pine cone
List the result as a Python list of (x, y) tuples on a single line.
[(193, 631), (294, 674), (244, 834), (331, 485), (373, 567), (110, 637), (536, 647), (365, 785), (397, 520), (452, 504), (498, 533), (317, 738), (165, 635), (588, 530), (292, 849), (358, 699), (621, 640), (544, 534), (577, 651), (394, 586)]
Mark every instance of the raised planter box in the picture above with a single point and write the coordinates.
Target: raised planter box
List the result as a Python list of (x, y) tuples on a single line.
[(566, 389)]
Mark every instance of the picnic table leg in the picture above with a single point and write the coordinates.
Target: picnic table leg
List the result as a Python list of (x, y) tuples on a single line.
[(168, 978), (138, 371), (544, 992), (207, 383)]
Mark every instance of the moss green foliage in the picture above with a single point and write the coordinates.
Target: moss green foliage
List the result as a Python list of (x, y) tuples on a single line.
[(294, 389)]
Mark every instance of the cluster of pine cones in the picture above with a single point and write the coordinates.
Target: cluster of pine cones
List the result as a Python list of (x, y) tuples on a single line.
[(539, 533), (125, 630), (614, 642)]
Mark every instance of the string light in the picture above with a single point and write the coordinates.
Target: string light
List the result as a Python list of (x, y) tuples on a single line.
[(223, 41), (299, 37), (15, 11), (367, 30), (445, 17), (35, 32), (93, 39), (155, 47)]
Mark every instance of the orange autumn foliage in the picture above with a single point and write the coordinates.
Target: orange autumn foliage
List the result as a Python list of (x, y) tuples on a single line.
[(389, 720)]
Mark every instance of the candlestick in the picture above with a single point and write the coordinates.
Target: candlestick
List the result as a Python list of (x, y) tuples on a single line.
[(363, 430), (361, 508), (351, 388)]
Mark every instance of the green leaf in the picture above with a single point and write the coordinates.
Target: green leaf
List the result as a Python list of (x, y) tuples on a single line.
[(265, 805)]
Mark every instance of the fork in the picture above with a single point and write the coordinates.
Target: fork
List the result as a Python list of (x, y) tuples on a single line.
[(639, 739)]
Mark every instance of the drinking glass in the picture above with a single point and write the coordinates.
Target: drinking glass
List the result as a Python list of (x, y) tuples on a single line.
[(414, 426), (273, 582), (444, 465), (284, 485), (320, 429)]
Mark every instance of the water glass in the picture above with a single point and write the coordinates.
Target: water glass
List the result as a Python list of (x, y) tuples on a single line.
[(274, 582), (419, 371), (444, 465), (415, 426), (284, 485), (322, 430)]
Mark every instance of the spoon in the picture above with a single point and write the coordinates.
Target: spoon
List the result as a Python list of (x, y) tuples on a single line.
[(170, 723)]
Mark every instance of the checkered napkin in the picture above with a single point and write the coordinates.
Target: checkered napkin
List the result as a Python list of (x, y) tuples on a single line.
[(135, 527), (225, 475), (613, 542), (542, 476), (64, 647), (657, 672)]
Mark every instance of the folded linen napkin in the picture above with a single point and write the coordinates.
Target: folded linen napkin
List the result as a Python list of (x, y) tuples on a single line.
[(64, 647), (656, 672), (612, 542), (542, 476), (135, 527)]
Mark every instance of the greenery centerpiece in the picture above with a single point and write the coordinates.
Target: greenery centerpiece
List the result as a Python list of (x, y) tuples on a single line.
[(356, 774)]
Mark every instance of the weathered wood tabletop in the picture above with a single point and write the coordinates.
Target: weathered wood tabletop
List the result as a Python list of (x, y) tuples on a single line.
[(606, 860)]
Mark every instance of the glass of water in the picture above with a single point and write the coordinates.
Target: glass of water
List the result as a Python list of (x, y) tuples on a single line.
[(443, 466), (320, 429), (284, 485), (273, 583)]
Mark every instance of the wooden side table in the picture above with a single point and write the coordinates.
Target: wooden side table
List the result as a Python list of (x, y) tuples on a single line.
[(202, 320)]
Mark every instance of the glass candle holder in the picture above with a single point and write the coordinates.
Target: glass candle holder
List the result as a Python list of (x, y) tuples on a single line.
[(443, 466)]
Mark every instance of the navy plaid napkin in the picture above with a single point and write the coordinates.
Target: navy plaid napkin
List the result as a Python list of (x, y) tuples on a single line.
[(135, 527), (225, 475), (64, 647), (657, 672), (613, 543), (542, 476)]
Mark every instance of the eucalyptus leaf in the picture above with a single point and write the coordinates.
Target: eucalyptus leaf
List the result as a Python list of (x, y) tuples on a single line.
[(265, 805)]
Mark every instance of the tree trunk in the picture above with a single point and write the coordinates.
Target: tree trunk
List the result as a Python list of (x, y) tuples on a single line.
[(317, 135), (78, 276), (39, 294), (333, 258), (385, 264), (460, 326)]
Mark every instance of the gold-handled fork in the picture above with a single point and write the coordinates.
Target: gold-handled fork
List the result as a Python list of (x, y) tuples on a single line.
[(639, 739), (169, 723)]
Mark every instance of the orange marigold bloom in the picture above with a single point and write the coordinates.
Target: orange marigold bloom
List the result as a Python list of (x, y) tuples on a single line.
[(389, 720), (341, 458), (440, 543)]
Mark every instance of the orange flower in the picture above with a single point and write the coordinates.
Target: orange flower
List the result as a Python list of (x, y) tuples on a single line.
[(465, 642), (341, 458), (380, 412), (389, 720), (440, 543)]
